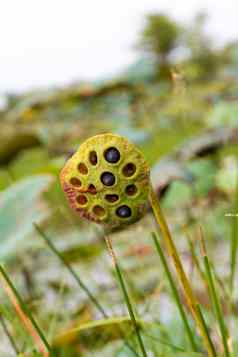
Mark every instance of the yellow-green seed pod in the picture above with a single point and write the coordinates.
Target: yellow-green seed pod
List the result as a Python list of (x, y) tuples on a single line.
[(107, 181)]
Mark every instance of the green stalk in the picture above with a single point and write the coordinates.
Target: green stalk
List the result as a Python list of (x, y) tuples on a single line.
[(8, 334), (126, 296), (76, 277), (203, 322), (71, 270), (25, 309), (196, 261), (214, 297), (172, 251), (227, 295), (175, 293)]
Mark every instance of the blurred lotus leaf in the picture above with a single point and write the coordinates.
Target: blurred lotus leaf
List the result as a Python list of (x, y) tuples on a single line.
[(20, 206), (224, 114), (13, 140), (204, 172), (227, 176)]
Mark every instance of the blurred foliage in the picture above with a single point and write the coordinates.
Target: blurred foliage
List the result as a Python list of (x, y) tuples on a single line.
[(19, 208), (159, 37), (159, 111)]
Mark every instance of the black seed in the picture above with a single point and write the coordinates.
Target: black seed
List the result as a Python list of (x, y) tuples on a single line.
[(99, 210), (93, 157), (131, 190), (129, 169), (82, 200), (123, 211), (75, 181), (82, 168), (112, 155), (108, 179), (112, 198), (92, 189)]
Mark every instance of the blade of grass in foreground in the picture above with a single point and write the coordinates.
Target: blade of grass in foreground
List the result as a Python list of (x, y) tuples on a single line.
[(79, 281), (214, 296), (173, 253), (71, 270), (126, 296), (175, 293), (199, 311), (25, 314), (8, 334)]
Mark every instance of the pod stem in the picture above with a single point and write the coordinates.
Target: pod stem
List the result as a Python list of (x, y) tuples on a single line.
[(188, 292), (126, 295)]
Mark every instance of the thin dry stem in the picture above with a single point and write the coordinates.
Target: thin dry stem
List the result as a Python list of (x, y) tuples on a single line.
[(110, 250), (25, 320), (188, 292)]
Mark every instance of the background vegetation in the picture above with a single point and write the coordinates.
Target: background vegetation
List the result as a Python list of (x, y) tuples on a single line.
[(178, 102)]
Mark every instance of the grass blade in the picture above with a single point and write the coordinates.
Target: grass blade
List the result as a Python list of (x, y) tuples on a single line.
[(175, 293), (71, 270), (199, 311), (214, 296), (8, 334), (79, 281), (172, 251), (25, 314), (126, 296)]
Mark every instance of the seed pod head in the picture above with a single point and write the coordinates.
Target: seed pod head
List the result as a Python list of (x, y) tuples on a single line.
[(107, 181)]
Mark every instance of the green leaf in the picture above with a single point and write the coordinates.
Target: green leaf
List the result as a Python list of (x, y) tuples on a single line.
[(19, 208), (224, 114), (103, 327)]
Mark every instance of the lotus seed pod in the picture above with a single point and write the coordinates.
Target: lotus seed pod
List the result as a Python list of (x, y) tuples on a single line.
[(107, 181)]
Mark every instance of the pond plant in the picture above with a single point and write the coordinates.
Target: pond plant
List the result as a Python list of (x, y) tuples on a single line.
[(107, 181)]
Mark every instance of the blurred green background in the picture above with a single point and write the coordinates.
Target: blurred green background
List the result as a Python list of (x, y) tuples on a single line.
[(179, 103)]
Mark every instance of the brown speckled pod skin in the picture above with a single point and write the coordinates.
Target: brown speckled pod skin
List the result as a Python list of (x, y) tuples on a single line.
[(120, 203)]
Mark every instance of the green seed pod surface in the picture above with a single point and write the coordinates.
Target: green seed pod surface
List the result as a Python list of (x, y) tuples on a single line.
[(107, 181)]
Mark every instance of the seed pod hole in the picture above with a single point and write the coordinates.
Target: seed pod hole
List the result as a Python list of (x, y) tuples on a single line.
[(75, 181), (99, 211), (112, 155), (93, 158), (92, 189), (129, 169), (82, 168), (108, 179), (82, 200), (112, 198), (123, 211), (131, 190)]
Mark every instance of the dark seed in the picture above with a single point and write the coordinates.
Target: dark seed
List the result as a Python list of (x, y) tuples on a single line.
[(82, 168), (112, 198), (93, 157), (82, 200), (92, 189), (131, 190), (123, 211), (112, 155), (99, 210), (129, 169), (108, 179), (75, 181)]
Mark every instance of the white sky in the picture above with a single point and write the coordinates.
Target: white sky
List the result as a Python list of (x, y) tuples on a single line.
[(55, 42)]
